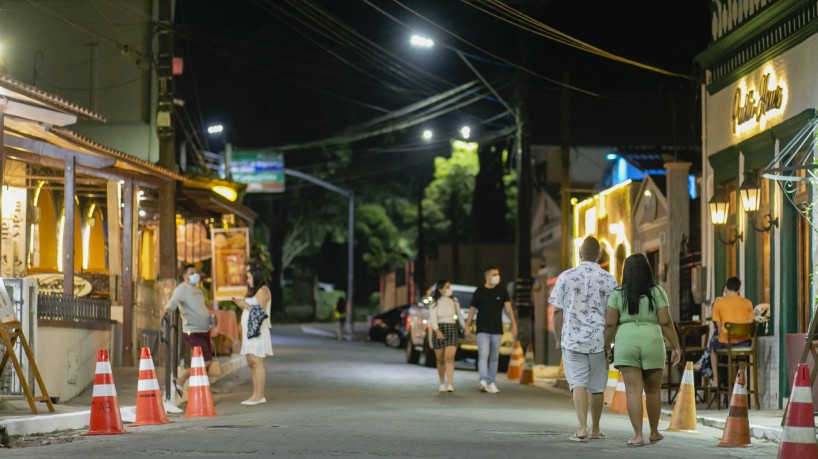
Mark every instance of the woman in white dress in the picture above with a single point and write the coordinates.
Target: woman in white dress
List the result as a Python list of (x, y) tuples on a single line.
[(256, 348)]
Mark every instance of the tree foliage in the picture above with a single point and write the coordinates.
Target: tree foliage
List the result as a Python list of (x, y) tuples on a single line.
[(448, 198), (379, 239)]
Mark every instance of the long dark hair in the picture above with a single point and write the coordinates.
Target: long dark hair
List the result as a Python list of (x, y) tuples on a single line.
[(637, 281), (258, 282), (440, 284)]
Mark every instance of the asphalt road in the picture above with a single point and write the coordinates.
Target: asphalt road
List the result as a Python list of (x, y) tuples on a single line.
[(359, 399)]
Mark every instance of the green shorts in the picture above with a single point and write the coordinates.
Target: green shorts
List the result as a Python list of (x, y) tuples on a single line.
[(639, 345)]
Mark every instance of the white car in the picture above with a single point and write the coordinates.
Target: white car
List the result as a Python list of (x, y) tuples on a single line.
[(419, 331)]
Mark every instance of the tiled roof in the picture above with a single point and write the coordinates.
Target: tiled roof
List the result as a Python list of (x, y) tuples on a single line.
[(48, 99), (88, 143)]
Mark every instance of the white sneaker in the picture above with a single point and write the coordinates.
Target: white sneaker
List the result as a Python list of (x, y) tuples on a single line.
[(442, 388), (484, 387), (492, 389), (449, 388)]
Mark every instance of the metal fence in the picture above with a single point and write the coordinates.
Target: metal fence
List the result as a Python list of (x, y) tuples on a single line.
[(72, 309)]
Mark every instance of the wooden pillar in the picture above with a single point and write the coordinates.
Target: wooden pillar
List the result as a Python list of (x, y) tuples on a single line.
[(68, 227), (2, 165), (127, 271), (678, 203)]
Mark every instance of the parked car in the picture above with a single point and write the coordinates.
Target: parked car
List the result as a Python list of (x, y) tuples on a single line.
[(389, 327), (419, 331)]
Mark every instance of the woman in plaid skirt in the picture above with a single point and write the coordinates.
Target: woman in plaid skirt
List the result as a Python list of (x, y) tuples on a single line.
[(444, 314)]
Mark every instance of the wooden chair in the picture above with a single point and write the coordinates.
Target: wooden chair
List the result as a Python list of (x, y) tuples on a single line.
[(692, 343), (738, 357)]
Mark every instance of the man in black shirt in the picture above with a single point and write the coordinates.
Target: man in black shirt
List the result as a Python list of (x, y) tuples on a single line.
[(490, 299)]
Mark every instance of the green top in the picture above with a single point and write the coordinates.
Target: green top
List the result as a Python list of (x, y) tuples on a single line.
[(617, 301)]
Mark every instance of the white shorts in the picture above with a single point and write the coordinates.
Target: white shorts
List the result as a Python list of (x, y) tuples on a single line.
[(586, 370)]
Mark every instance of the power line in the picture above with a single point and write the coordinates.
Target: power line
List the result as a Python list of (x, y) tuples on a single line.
[(508, 14)]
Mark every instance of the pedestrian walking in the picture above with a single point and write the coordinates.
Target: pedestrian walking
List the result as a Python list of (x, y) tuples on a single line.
[(580, 297), (638, 322), (340, 316), (444, 314), (256, 343), (490, 300), (190, 301)]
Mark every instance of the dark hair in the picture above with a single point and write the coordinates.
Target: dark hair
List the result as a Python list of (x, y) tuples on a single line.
[(489, 268), (637, 281), (733, 284), (258, 282), (439, 285), (590, 249), (184, 270)]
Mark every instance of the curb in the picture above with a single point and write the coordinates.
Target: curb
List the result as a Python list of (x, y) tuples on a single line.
[(45, 424), (758, 432)]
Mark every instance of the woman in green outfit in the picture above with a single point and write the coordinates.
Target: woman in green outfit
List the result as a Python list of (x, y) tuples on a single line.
[(639, 319)]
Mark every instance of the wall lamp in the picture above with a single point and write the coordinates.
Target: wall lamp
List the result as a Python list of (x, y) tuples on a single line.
[(751, 201), (719, 213)]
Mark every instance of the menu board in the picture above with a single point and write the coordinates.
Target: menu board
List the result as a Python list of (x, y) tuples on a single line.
[(231, 252)]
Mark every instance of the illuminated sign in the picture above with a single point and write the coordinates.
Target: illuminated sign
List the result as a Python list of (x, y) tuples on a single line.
[(751, 108)]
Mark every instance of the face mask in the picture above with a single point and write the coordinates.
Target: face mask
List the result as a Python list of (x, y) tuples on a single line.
[(446, 292), (494, 280), (194, 279)]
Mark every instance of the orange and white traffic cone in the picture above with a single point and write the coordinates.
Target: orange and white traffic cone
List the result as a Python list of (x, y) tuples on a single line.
[(199, 398), (610, 390), (149, 407), (105, 416), (528, 369), (737, 428), (684, 412), (799, 424), (515, 364), (619, 404)]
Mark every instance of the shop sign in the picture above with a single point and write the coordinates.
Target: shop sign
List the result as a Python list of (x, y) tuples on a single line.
[(231, 251), (261, 170), (749, 107), (53, 283)]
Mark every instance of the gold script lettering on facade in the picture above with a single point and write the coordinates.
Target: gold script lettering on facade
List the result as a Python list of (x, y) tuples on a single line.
[(754, 108)]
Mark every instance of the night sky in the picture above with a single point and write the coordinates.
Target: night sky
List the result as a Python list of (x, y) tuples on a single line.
[(257, 67)]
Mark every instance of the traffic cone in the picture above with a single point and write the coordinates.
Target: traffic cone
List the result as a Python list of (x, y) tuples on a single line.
[(149, 407), (619, 404), (199, 398), (105, 416), (799, 424), (610, 390), (684, 412), (737, 428), (515, 364), (528, 369)]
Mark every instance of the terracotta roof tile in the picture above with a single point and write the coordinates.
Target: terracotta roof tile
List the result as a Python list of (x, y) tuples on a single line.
[(49, 99)]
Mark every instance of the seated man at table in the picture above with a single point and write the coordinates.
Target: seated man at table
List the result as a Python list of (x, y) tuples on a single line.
[(733, 308)]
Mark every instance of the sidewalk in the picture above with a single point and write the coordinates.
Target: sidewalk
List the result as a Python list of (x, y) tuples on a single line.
[(764, 424), (360, 331), (18, 420)]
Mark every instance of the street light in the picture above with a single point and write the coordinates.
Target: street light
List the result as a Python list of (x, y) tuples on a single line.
[(428, 134), (228, 149), (465, 132), (751, 201), (421, 42), (719, 214)]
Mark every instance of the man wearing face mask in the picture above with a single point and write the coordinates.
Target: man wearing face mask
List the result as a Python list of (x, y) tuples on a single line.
[(190, 300), (489, 300)]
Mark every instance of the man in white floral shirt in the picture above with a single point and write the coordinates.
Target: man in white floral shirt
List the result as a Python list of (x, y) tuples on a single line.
[(580, 298)]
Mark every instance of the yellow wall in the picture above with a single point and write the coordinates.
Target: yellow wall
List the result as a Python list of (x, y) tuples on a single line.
[(96, 243), (147, 265), (47, 226)]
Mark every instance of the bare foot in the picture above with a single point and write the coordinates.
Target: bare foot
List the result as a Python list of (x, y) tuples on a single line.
[(636, 440), (655, 437)]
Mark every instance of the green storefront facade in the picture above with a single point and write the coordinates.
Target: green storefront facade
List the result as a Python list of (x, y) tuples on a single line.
[(761, 89)]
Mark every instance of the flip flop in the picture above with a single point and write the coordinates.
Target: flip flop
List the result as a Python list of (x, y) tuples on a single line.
[(578, 439), (599, 436), (635, 444), (657, 440)]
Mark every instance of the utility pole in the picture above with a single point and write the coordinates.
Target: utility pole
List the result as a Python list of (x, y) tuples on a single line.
[(420, 263), (167, 158), (522, 286), (565, 178)]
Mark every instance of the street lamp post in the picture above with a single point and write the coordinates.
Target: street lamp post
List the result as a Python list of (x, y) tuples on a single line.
[(217, 129)]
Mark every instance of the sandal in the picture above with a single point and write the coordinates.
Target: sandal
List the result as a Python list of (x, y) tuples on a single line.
[(635, 444), (578, 439), (179, 389), (599, 436)]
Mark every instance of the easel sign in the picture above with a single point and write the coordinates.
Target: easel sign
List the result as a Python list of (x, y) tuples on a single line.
[(11, 331), (7, 313)]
